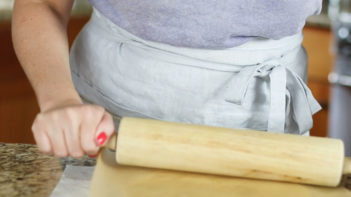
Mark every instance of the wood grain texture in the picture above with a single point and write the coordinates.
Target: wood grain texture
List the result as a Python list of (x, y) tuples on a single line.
[(317, 42), (231, 152), (320, 119), (111, 179)]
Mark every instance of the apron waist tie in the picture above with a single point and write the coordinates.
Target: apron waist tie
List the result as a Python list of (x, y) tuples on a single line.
[(281, 79)]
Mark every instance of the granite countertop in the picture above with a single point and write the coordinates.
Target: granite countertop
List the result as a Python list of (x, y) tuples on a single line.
[(24, 171)]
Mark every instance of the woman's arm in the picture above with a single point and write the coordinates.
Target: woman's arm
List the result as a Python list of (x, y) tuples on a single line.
[(40, 40), (65, 126)]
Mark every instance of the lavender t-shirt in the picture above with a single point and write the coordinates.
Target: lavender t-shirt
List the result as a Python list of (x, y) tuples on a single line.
[(212, 24)]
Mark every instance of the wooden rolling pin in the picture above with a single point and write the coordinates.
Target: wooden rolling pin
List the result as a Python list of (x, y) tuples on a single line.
[(230, 152)]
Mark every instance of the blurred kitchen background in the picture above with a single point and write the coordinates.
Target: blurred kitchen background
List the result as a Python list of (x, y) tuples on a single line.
[(327, 41)]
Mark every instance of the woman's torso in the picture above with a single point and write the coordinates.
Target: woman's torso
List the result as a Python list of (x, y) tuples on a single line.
[(208, 23), (258, 85)]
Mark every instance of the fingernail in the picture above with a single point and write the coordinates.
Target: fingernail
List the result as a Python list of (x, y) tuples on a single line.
[(92, 156), (101, 138)]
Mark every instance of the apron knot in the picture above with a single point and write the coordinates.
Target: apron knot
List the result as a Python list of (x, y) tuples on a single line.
[(264, 69), (248, 73), (282, 82)]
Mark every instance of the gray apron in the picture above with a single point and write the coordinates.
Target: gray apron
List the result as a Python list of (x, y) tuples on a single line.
[(259, 85)]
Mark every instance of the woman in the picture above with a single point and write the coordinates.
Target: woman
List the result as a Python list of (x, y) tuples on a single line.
[(226, 63)]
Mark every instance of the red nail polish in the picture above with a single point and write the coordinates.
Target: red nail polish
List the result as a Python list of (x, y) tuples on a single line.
[(92, 156), (101, 138)]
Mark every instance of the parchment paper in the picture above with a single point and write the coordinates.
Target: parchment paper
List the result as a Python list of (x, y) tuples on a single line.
[(75, 181)]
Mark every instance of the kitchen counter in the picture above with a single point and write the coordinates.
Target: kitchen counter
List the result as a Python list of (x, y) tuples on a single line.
[(24, 171)]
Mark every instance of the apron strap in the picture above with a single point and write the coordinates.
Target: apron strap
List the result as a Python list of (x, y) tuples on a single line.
[(304, 105)]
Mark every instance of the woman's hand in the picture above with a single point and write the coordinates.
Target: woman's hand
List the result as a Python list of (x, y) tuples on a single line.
[(72, 130)]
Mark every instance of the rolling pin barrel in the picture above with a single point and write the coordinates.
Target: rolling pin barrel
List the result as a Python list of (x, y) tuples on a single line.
[(230, 152)]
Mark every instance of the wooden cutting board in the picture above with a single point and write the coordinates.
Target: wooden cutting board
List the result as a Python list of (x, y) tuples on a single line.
[(111, 179)]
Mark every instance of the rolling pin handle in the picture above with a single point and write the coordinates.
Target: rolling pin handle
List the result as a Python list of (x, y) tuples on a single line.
[(112, 142), (347, 165)]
